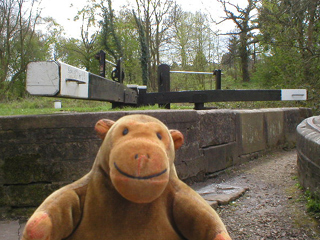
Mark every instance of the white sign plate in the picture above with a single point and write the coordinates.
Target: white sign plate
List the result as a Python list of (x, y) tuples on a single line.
[(74, 82), (293, 94)]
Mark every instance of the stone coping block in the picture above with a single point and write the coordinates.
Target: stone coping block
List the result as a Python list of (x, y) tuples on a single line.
[(308, 148), (216, 127), (251, 136), (274, 127)]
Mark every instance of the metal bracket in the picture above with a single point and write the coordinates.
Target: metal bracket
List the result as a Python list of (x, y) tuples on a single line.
[(75, 80)]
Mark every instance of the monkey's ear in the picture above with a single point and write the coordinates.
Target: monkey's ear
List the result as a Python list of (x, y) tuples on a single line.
[(102, 127), (177, 137)]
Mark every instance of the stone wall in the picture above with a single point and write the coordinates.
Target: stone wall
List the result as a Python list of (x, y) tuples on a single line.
[(308, 149), (39, 154)]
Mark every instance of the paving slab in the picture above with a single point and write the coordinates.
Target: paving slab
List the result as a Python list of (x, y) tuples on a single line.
[(221, 194), (11, 230)]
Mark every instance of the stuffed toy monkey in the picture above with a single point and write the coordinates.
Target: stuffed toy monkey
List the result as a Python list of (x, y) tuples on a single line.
[(132, 192)]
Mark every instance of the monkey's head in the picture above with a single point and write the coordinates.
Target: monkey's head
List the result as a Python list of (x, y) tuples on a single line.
[(137, 153)]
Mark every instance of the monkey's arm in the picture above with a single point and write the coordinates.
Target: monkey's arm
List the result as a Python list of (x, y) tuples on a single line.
[(195, 219), (57, 216)]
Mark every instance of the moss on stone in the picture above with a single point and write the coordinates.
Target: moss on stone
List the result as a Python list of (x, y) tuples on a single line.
[(3, 198), (22, 169), (18, 213)]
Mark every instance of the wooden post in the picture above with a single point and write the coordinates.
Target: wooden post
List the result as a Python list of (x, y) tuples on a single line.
[(217, 73), (164, 82)]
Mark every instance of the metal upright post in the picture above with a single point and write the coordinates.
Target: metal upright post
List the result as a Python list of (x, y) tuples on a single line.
[(101, 56), (120, 69), (164, 82), (217, 73)]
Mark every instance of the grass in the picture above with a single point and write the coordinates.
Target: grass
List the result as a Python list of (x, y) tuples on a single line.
[(313, 204), (45, 105), (310, 199)]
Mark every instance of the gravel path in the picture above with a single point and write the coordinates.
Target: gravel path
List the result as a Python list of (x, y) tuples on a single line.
[(274, 207)]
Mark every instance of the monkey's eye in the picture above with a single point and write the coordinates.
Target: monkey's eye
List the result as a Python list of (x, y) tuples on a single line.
[(159, 136), (125, 131)]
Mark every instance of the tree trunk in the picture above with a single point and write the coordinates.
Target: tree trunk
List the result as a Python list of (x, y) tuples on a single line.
[(244, 56)]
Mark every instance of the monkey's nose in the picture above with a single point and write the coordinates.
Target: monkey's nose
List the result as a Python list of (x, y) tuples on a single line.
[(141, 156)]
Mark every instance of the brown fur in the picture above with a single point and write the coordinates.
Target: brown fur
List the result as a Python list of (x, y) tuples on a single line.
[(132, 192)]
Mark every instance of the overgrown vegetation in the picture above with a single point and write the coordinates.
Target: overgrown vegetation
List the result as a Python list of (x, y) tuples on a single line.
[(310, 199), (313, 204)]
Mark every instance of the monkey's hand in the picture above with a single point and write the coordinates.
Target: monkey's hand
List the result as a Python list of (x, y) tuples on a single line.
[(39, 227)]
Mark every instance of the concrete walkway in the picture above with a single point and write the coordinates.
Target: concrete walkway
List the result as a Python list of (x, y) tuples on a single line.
[(10, 230)]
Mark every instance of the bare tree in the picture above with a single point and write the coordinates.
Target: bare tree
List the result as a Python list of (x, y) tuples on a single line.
[(88, 47), (182, 33), (243, 18), (156, 20), (110, 39), (17, 39), (229, 59)]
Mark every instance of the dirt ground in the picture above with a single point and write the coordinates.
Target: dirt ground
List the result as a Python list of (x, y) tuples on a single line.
[(274, 206)]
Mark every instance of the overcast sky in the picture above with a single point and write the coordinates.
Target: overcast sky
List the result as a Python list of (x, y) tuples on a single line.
[(63, 11)]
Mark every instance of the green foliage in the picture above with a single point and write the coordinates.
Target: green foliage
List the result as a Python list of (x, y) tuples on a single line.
[(291, 47), (313, 203), (282, 70), (19, 44)]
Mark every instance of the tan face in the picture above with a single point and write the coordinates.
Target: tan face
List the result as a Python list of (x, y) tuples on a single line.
[(140, 156)]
